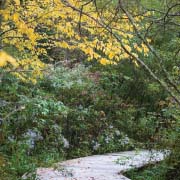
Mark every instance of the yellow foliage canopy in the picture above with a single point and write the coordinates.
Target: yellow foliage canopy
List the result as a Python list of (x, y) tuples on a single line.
[(24, 27)]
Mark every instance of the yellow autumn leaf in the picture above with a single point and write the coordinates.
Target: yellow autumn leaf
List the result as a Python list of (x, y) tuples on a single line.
[(127, 47), (145, 48), (130, 35), (136, 63), (138, 48), (148, 40), (64, 44), (17, 2), (15, 17), (104, 61), (6, 58), (2, 62), (111, 55)]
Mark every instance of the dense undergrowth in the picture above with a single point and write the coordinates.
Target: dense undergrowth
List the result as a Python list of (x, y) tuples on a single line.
[(74, 112), (67, 114)]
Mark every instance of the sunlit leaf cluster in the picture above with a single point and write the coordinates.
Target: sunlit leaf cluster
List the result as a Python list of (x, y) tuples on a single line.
[(25, 26)]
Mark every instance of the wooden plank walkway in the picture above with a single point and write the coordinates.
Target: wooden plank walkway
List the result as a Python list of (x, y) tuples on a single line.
[(100, 167)]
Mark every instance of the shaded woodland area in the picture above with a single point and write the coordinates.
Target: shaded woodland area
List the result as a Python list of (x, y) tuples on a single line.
[(79, 78)]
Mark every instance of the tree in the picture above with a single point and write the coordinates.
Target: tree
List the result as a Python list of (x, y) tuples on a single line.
[(107, 32), (106, 23), (33, 27)]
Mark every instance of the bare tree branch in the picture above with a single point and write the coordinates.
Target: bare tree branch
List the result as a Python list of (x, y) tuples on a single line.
[(145, 66), (160, 60)]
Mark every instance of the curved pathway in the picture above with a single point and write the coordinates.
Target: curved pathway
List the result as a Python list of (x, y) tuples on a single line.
[(100, 167)]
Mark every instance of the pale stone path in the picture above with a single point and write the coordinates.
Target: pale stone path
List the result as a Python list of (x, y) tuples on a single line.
[(100, 167)]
